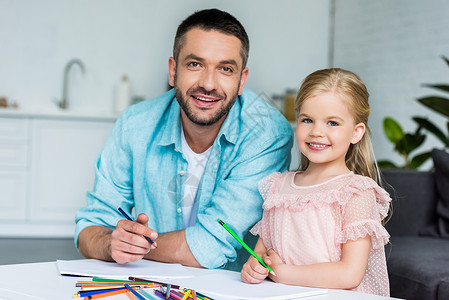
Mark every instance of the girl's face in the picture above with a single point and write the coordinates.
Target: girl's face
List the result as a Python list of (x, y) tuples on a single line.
[(326, 129)]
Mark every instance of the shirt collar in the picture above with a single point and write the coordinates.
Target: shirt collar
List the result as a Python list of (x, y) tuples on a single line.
[(171, 133)]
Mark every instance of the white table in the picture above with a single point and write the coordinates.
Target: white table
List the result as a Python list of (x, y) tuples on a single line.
[(42, 281)]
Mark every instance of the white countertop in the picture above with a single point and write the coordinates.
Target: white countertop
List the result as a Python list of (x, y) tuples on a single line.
[(56, 113)]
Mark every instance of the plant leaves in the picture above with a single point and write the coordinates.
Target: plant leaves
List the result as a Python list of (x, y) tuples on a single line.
[(409, 143), (436, 103), (386, 164), (393, 131), (441, 87), (432, 128), (445, 59), (419, 159)]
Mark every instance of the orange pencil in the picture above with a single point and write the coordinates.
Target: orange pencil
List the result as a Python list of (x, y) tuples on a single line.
[(96, 296), (130, 295)]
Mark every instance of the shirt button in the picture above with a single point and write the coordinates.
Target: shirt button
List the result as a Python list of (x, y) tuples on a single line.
[(179, 210), (176, 149), (182, 173)]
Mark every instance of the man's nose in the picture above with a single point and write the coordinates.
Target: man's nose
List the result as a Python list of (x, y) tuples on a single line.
[(208, 80)]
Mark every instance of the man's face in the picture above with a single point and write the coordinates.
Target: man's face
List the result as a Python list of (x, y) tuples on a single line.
[(207, 76)]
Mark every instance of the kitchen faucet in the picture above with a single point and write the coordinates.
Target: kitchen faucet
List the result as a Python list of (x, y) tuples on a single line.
[(64, 102)]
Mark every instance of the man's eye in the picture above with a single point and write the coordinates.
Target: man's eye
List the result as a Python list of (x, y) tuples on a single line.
[(194, 64), (227, 69), (333, 123)]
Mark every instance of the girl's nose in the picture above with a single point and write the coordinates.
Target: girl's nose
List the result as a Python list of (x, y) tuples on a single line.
[(317, 130)]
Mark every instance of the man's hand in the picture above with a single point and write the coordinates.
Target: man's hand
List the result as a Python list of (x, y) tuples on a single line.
[(253, 271), (128, 241)]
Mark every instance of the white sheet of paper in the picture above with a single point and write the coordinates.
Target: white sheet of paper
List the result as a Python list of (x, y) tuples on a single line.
[(142, 268), (229, 285)]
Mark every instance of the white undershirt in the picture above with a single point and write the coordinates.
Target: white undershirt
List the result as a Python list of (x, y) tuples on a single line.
[(196, 164)]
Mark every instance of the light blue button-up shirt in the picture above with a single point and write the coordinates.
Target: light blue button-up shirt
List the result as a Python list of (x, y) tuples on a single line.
[(142, 167)]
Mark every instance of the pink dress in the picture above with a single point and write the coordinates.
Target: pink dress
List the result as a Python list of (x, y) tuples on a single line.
[(308, 224)]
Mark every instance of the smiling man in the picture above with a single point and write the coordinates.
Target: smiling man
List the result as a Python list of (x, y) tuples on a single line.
[(187, 158)]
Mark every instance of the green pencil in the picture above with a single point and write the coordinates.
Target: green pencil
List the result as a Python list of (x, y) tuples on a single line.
[(245, 246)]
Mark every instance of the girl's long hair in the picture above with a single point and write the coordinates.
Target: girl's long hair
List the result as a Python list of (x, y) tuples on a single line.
[(350, 88)]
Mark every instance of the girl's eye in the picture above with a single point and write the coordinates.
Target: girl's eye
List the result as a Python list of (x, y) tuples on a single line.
[(308, 121), (333, 123)]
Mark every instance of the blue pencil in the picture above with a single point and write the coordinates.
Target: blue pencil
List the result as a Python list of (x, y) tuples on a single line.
[(82, 294), (129, 218)]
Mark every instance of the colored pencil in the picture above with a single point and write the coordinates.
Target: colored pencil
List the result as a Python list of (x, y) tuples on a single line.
[(245, 246), (173, 286), (96, 296), (96, 288), (104, 280), (161, 295), (82, 294), (130, 295), (138, 296), (186, 295), (129, 218), (198, 295), (97, 283), (147, 295)]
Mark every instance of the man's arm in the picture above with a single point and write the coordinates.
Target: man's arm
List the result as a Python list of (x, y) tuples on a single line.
[(95, 242), (172, 247)]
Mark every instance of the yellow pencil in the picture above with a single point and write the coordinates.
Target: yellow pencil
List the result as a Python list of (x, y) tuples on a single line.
[(186, 295)]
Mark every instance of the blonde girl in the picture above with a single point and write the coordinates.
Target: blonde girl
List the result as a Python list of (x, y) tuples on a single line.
[(322, 225)]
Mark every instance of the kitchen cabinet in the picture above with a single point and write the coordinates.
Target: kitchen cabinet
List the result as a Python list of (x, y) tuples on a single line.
[(13, 166), (46, 167)]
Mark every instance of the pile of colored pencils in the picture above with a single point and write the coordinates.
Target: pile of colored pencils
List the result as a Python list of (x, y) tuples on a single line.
[(99, 287), (135, 288)]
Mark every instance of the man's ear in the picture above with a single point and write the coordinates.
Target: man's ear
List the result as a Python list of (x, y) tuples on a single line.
[(171, 71), (243, 79), (359, 131)]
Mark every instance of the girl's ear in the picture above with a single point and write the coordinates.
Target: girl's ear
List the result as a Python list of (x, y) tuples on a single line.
[(359, 131)]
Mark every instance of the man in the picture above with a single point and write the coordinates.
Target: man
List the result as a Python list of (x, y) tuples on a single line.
[(187, 158)]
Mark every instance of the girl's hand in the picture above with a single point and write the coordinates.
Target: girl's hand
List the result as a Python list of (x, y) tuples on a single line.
[(253, 271), (275, 262)]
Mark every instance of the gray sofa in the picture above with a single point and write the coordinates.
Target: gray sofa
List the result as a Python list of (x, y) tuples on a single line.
[(418, 253)]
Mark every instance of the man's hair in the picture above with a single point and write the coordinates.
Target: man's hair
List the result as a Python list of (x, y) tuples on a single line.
[(212, 19)]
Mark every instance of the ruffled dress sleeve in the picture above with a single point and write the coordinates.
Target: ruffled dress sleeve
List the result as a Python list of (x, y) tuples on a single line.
[(366, 206), (267, 187)]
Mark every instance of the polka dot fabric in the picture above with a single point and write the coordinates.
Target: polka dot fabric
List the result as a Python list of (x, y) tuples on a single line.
[(308, 224)]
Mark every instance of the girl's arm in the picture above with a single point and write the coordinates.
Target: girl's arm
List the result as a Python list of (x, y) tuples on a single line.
[(344, 274), (253, 271)]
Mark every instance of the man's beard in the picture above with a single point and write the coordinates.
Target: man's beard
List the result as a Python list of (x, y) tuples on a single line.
[(186, 107)]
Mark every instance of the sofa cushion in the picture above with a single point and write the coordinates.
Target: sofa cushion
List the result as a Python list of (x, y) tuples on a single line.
[(441, 164), (416, 266), (443, 289), (414, 200)]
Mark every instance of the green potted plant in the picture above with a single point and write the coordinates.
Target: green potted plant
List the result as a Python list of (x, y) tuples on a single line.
[(440, 105), (406, 143)]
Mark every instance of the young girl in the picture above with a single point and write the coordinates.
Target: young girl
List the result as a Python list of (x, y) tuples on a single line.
[(322, 226)]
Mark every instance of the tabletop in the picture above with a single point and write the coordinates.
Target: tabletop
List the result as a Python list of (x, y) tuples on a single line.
[(35, 281)]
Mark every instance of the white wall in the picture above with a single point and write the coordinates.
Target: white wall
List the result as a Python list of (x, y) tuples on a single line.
[(289, 39), (395, 46)]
